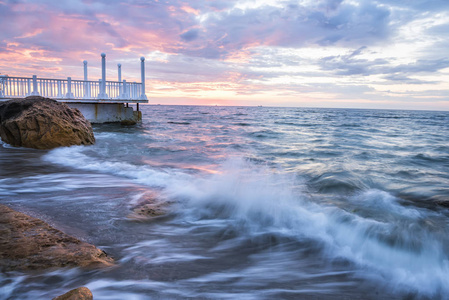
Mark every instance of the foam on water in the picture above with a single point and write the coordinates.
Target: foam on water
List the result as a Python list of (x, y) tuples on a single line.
[(75, 157), (389, 241), (58, 182), (62, 279), (395, 241)]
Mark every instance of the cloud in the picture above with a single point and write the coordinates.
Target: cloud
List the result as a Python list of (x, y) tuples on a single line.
[(292, 25), (422, 66), (351, 64), (284, 47), (406, 80), (418, 5), (205, 29), (190, 35)]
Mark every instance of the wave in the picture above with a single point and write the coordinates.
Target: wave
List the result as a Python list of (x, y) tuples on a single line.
[(375, 236), (179, 123), (296, 124), (47, 183), (265, 134), (377, 232), (142, 174)]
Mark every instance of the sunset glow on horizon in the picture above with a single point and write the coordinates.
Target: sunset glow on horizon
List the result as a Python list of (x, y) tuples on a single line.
[(324, 53)]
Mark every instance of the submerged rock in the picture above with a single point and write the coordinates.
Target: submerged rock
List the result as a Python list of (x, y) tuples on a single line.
[(82, 293), (42, 123), (27, 243)]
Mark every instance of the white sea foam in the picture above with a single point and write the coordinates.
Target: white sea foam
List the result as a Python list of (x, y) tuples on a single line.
[(142, 174), (46, 183), (259, 200), (159, 252), (8, 285), (385, 203)]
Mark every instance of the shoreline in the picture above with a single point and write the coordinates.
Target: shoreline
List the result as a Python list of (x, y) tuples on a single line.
[(28, 243)]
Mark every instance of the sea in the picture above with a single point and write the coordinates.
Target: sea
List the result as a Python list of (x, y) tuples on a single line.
[(259, 203)]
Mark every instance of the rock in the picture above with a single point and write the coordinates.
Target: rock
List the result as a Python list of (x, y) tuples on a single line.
[(152, 205), (150, 210), (82, 293), (42, 123), (128, 122), (27, 243)]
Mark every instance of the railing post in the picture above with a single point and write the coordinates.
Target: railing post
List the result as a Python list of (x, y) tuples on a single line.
[(86, 84), (35, 92), (85, 70), (142, 75), (29, 86), (59, 89), (120, 89), (125, 96), (2, 87), (69, 94), (103, 94), (100, 84)]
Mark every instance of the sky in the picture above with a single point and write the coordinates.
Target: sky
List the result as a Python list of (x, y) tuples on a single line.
[(391, 54)]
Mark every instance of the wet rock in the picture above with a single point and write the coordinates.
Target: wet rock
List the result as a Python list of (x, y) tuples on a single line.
[(42, 123), (150, 210), (27, 243), (128, 122), (151, 206), (82, 293)]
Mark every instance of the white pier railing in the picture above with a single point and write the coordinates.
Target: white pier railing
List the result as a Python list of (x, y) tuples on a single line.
[(68, 89), (20, 87)]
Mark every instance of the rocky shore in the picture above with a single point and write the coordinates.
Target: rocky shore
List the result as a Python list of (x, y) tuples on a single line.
[(27, 243)]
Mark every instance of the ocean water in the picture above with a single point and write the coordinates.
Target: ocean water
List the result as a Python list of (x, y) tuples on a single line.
[(261, 203)]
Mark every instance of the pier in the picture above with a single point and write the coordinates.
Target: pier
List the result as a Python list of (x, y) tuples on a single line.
[(99, 101)]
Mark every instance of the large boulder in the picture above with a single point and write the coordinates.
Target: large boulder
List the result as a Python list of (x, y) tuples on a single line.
[(42, 123), (27, 243)]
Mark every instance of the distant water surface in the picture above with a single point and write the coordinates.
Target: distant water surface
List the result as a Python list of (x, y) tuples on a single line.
[(263, 203)]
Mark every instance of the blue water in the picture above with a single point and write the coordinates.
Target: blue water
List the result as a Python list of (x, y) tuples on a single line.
[(261, 203)]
